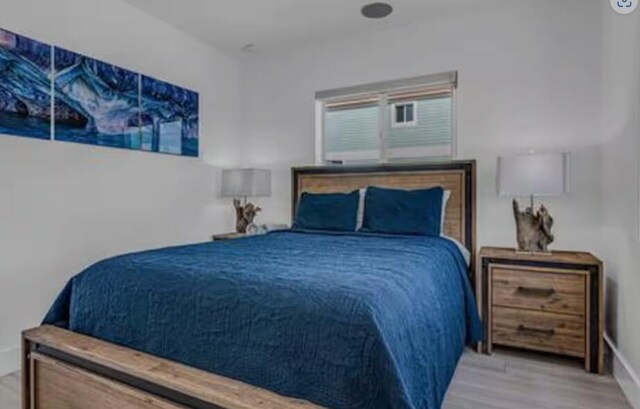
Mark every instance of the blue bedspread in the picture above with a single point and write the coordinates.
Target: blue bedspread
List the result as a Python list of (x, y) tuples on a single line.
[(345, 321)]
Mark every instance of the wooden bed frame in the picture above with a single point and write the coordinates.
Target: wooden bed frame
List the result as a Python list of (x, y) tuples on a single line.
[(63, 369), (458, 176)]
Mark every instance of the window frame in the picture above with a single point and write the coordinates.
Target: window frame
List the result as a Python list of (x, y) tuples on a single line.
[(382, 91), (404, 124)]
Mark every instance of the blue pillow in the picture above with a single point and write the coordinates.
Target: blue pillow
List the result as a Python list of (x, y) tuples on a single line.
[(329, 211), (403, 211)]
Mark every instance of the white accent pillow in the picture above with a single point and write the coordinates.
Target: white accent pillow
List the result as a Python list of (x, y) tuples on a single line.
[(445, 199), (360, 214)]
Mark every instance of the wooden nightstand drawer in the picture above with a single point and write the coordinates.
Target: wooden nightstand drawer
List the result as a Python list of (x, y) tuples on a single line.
[(542, 331), (539, 289)]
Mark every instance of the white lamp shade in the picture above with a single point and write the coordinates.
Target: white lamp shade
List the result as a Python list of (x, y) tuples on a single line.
[(538, 174), (246, 182)]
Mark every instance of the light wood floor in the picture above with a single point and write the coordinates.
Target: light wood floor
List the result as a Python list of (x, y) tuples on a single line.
[(505, 380), (10, 391)]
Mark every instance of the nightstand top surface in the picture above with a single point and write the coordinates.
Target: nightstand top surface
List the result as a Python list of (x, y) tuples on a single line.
[(228, 236), (572, 257)]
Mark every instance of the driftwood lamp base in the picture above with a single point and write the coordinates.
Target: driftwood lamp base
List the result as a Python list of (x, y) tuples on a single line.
[(245, 214), (533, 229)]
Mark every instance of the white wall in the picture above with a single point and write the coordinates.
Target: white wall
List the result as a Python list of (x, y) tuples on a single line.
[(64, 206), (529, 75), (621, 189)]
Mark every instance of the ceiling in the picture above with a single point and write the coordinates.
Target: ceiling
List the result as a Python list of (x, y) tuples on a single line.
[(281, 24)]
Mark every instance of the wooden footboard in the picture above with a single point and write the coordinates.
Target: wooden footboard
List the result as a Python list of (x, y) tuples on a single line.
[(62, 369)]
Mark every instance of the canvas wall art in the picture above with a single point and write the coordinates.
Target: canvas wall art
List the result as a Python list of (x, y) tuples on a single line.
[(169, 118), (95, 102), (47, 90), (25, 86)]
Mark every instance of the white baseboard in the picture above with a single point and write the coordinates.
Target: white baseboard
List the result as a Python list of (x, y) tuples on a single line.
[(9, 360), (624, 374)]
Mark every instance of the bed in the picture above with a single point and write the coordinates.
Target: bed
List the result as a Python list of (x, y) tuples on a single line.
[(287, 319)]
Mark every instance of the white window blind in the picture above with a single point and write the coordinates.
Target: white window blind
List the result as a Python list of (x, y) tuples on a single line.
[(402, 120), (351, 130)]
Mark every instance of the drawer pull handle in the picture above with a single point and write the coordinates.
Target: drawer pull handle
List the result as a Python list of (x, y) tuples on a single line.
[(536, 292), (542, 331)]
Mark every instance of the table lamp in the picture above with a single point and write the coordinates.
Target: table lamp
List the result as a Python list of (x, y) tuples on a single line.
[(533, 175), (243, 183)]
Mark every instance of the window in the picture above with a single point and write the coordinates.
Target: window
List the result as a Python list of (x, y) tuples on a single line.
[(410, 119), (403, 114)]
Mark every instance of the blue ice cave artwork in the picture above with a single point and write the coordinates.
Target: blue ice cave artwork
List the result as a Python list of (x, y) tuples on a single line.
[(95, 102), (47, 90), (168, 118), (25, 86)]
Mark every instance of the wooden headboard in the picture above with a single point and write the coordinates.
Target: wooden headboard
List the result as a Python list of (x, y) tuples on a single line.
[(458, 176)]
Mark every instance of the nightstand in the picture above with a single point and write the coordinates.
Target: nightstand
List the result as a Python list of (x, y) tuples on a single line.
[(228, 236), (543, 302)]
